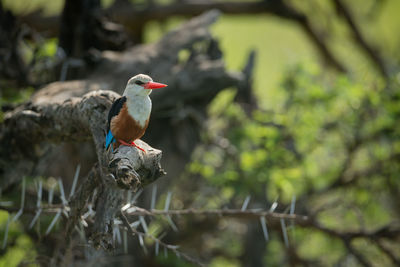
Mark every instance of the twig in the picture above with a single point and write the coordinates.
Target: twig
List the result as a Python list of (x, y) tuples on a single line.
[(361, 259), (370, 51), (395, 261)]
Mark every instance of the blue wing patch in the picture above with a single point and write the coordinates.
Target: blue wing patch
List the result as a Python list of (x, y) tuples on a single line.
[(114, 111), (109, 139)]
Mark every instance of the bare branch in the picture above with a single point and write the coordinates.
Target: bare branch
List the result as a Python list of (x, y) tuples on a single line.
[(237, 213)]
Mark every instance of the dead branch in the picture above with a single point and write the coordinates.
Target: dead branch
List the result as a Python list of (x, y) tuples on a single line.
[(134, 18), (78, 119)]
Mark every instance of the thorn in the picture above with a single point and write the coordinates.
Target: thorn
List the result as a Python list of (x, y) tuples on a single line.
[(60, 184), (64, 211), (6, 233), (38, 212), (19, 213), (23, 193), (82, 233), (143, 223), (171, 223), (136, 196), (114, 237), (64, 69), (78, 169), (286, 211), (134, 224), (168, 201), (264, 227), (21, 210), (51, 195), (39, 196), (157, 247), (129, 196), (246, 203), (119, 240), (53, 222), (274, 205), (153, 197), (126, 206), (125, 236), (89, 212), (84, 223), (292, 205), (94, 195), (141, 240), (284, 232)]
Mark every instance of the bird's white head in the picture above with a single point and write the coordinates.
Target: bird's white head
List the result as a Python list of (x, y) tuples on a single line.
[(141, 85)]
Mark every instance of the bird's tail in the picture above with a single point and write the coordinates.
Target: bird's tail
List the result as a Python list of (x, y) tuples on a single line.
[(109, 139)]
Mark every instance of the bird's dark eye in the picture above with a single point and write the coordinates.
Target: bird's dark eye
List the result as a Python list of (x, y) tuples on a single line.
[(139, 82)]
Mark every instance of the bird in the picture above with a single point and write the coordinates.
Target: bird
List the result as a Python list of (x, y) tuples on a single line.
[(129, 115)]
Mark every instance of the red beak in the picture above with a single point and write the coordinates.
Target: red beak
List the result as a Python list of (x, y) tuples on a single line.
[(154, 85)]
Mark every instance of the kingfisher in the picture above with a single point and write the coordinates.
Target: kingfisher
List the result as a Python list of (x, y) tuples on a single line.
[(129, 115)]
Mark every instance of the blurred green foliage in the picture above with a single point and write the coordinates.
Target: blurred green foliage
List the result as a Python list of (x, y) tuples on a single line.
[(12, 96), (326, 129), (21, 250)]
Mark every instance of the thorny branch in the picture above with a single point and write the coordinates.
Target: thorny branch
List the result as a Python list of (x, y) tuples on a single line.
[(129, 210), (79, 119), (238, 213), (157, 241)]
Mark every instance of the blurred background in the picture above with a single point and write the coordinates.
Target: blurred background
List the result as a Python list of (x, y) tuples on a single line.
[(296, 102)]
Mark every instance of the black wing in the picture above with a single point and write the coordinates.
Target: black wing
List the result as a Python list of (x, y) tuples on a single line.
[(115, 109)]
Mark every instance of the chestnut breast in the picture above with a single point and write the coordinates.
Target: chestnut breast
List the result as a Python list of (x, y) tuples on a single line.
[(124, 127)]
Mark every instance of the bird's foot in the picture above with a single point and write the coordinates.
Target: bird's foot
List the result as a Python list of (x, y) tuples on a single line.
[(131, 144)]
